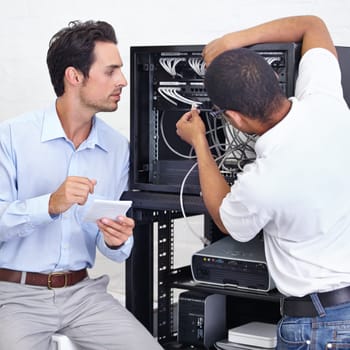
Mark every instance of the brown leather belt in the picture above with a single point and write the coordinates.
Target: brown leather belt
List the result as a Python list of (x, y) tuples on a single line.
[(51, 280)]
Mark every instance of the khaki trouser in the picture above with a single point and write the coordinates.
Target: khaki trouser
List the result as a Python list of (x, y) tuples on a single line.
[(85, 312)]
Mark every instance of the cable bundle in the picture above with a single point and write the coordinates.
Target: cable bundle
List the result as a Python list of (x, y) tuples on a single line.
[(198, 65), (169, 64), (172, 95), (230, 155)]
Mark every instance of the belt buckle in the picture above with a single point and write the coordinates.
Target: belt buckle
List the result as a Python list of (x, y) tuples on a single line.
[(49, 279)]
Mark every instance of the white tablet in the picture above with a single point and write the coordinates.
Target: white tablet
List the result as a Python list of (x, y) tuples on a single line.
[(106, 209)]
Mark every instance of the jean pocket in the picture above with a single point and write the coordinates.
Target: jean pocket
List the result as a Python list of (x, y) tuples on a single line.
[(337, 346), (293, 335), (341, 335)]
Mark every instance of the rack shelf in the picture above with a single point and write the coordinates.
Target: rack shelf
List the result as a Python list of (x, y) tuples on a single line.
[(156, 307)]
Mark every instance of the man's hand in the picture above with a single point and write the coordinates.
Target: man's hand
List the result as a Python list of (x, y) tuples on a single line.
[(190, 127), (116, 232), (218, 46), (74, 190)]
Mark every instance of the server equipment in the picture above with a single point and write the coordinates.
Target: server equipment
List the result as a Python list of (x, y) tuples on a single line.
[(229, 263), (165, 82), (201, 318)]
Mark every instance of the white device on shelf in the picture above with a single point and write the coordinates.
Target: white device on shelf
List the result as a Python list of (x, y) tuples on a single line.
[(260, 334)]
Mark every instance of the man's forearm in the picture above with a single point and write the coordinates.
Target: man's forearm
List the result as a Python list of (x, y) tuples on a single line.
[(287, 29), (213, 185), (310, 30)]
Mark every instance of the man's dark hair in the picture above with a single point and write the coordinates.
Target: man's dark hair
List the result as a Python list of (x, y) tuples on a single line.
[(241, 80), (73, 46)]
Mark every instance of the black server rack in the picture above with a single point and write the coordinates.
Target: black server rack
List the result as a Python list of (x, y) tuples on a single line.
[(155, 197), (165, 82)]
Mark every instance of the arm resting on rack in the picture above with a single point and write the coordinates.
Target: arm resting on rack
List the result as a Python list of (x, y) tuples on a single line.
[(310, 30)]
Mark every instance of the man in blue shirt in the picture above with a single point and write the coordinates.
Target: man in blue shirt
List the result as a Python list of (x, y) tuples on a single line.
[(53, 163)]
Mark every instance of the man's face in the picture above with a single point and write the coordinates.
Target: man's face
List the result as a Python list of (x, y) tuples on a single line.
[(102, 88)]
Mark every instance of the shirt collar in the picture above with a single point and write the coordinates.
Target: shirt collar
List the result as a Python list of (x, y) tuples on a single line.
[(276, 134), (52, 129)]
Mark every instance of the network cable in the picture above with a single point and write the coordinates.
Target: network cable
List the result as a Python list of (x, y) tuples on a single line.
[(169, 64), (171, 94), (230, 156), (198, 65)]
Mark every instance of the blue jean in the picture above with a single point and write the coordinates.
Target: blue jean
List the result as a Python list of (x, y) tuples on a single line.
[(329, 330)]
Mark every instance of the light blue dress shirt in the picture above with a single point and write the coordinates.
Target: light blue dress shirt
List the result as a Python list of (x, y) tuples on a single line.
[(35, 159)]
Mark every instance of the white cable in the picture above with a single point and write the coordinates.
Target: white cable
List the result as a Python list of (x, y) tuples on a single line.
[(169, 64), (233, 149), (203, 239), (171, 94), (271, 60), (164, 94), (198, 65), (184, 99), (168, 144)]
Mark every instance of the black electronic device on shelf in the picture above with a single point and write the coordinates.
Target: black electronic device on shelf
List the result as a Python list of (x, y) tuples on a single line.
[(201, 318), (165, 82), (229, 263)]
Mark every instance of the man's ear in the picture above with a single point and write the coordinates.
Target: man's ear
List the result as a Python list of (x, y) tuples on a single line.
[(73, 76), (235, 119), (246, 124)]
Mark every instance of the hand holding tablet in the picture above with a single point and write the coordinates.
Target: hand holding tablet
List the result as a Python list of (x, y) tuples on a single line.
[(106, 209)]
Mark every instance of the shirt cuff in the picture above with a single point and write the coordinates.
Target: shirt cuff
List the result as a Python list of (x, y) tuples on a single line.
[(37, 210)]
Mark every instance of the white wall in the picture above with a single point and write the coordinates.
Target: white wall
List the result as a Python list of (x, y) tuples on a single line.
[(26, 27)]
